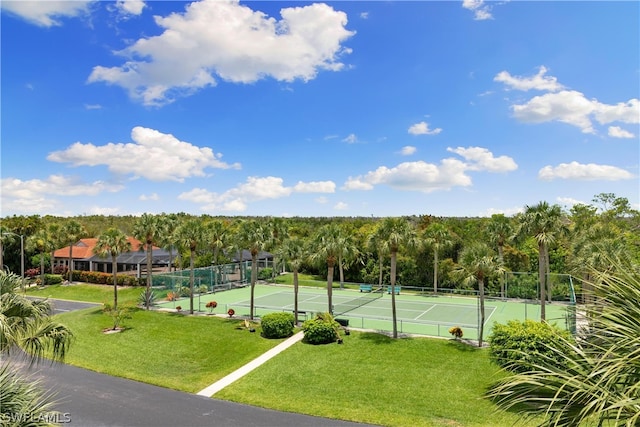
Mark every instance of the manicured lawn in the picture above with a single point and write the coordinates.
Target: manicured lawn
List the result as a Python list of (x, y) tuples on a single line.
[(87, 292), (370, 378), (171, 350), (374, 379)]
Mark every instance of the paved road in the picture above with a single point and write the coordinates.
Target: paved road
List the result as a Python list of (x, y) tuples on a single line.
[(89, 399)]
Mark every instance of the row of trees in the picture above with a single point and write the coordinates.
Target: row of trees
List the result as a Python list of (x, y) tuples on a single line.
[(466, 252)]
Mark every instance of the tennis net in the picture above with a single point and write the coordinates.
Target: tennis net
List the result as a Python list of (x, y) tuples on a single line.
[(344, 307)]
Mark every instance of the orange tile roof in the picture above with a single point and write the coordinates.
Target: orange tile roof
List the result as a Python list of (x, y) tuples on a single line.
[(83, 249)]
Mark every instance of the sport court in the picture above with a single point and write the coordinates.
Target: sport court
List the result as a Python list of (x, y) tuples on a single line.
[(416, 314)]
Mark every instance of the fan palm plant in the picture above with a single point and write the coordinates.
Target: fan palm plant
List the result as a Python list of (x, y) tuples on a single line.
[(598, 381)]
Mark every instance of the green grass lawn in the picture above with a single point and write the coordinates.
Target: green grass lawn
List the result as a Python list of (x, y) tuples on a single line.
[(181, 352), (370, 378), (374, 379), (87, 292)]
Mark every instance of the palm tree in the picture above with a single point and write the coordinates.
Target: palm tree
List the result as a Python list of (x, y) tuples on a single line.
[(218, 238), (292, 251), (148, 229), (278, 230), (476, 264), (348, 254), (26, 324), (191, 234), (326, 246), (438, 237), (545, 224), (112, 243), (53, 230), (71, 232), (598, 381), (253, 236), (499, 231), (396, 233), (41, 242), (376, 243)]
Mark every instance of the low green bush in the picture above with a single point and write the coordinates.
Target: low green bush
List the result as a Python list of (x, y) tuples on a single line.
[(52, 279), (265, 273), (518, 345), (322, 329), (277, 325)]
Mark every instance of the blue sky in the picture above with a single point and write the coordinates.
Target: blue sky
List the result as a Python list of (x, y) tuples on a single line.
[(450, 108)]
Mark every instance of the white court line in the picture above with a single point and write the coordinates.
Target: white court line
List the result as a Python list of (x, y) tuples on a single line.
[(425, 312)]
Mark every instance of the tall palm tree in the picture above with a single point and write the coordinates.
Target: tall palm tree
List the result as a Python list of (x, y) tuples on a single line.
[(326, 246), (191, 234), (376, 243), (219, 239), (437, 237), (292, 252), (148, 229), (26, 324), (476, 264), (254, 236), (499, 231), (348, 254), (168, 239), (53, 230), (396, 233), (544, 223), (278, 229), (42, 243), (71, 231), (112, 243)]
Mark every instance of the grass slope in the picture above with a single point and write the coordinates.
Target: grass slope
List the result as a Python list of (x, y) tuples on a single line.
[(170, 350), (374, 379)]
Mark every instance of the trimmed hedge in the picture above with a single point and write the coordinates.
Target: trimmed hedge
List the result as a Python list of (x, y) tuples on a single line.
[(517, 345), (277, 325), (100, 278)]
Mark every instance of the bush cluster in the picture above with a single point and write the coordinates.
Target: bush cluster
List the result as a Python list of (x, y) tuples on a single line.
[(323, 329), (100, 278), (277, 325), (517, 345)]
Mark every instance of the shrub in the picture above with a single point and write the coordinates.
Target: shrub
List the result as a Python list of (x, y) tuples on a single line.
[(172, 296), (323, 329), (52, 279), (203, 289), (518, 345), (147, 298), (184, 291), (265, 274), (211, 305), (277, 325), (231, 312), (32, 272)]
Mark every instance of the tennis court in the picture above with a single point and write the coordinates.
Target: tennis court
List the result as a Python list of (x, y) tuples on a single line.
[(416, 314)]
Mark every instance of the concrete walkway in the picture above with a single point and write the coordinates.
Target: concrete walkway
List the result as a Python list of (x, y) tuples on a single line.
[(244, 370)]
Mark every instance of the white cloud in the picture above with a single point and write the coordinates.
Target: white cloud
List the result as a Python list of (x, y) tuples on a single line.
[(481, 10), (570, 201), (427, 177), (537, 82), (618, 132), (153, 155), (341, 206), (223, 39), (422, 128), (574, 108), (46, 13), (152, 196), (130, 7), (408, 150), (351, 139), (481, 159), (254, 189), (583, 172), (33, 195), (414, 176), (506, 211), (92, 106)]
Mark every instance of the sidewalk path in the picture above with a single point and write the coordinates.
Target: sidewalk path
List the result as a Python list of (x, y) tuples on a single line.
[(244, 370)]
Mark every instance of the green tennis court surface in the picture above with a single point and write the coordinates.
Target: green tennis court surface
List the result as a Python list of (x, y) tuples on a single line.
[(426, 315)]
